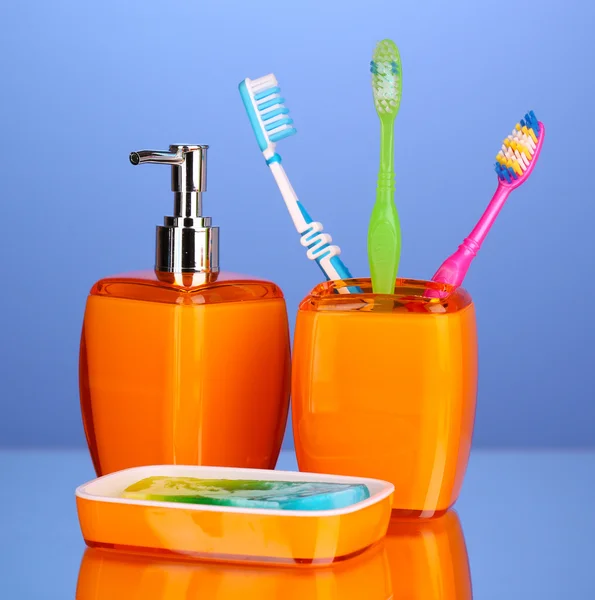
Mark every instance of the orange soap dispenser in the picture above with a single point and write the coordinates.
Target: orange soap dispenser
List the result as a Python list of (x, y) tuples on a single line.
[(184, 364)]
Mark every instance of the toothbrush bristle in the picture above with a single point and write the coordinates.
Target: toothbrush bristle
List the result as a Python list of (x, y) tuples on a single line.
[(271, 108), (386, 77), (518, 149)]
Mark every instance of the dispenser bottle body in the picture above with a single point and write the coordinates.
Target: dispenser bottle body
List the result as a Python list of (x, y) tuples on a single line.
[(179, 372)]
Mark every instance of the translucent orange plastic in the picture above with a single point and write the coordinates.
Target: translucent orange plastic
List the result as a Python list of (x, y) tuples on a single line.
[(417, 560), (119, 576), (184, 372), (428, 559), (384, 386), (306, 537)]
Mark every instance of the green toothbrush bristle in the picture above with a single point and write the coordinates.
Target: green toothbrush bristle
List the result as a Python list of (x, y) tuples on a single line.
[(387, 76)]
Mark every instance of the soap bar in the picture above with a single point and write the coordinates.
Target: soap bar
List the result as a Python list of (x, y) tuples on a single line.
[(275, 495)]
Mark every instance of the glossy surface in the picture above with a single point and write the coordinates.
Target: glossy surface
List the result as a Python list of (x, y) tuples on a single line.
[(415, 561), (384, 386), (105, 575), (193, 372), (271, 536), (428, 558), (525, 520)]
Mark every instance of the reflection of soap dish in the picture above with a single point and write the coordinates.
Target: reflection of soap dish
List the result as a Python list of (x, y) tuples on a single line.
[(107, 575), (229, 533)]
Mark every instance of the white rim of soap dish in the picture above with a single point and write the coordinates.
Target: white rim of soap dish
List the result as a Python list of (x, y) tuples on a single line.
[(108, 487)]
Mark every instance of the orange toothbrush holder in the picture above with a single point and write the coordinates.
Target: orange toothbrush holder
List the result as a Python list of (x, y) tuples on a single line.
[(385, 386)]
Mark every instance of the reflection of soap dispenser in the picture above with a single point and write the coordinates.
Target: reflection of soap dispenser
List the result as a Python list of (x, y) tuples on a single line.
[(184, 364)]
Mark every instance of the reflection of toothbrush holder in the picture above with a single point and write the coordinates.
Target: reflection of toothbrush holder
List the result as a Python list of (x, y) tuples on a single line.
[(385, 386)]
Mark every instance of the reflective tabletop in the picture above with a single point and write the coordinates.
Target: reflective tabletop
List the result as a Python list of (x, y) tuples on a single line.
[(522, 528)]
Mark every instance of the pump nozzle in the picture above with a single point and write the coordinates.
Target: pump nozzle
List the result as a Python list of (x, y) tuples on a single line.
[(156, 156), (186, 242)]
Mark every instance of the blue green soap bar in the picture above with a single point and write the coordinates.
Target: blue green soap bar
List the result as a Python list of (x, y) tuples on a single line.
[(276, 495)]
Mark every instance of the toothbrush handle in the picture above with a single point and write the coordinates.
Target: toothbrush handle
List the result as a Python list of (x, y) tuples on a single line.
[(455, 267), (488, 218), (384, 236), (290, 197), (318, 244)]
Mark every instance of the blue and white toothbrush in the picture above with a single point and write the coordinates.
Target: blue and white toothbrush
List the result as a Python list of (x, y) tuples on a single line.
[(271, 123)]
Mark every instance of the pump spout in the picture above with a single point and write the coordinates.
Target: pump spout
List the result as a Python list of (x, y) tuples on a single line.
[(186, 242), (156, 157)]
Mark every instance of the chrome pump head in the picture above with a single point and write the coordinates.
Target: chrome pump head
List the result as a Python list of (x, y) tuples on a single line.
[(186, 242)]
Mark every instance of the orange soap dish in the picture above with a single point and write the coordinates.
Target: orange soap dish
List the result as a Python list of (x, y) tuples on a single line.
[(302, 537)]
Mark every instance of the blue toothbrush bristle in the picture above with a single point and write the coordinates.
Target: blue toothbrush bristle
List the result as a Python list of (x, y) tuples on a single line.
[(269, 103), (266, 93), (530, 121), (282, 134), (274, 113), (276, 117), (267, 113), (533, 122), (505, 173), (278, 123), (394, 68)]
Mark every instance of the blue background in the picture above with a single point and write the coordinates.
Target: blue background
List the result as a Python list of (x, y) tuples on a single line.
[(85, 83)]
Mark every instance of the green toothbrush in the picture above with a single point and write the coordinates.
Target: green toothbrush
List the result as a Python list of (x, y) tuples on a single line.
[(384, 231)]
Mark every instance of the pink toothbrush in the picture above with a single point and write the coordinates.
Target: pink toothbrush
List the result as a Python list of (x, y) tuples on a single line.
[(515, 161)]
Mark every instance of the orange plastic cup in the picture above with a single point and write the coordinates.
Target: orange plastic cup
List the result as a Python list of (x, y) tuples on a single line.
[(384, 386)]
